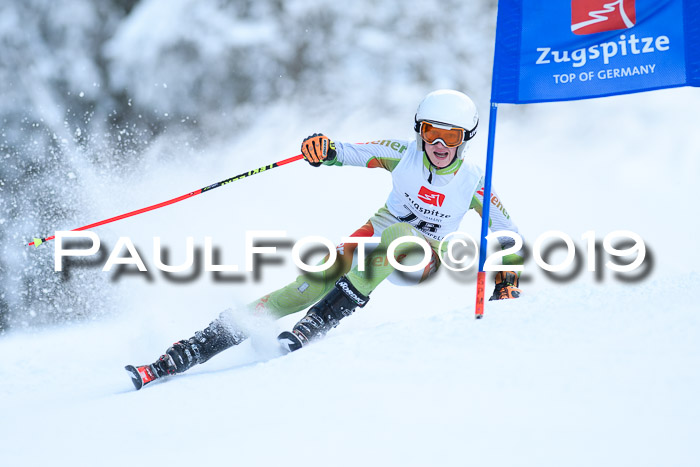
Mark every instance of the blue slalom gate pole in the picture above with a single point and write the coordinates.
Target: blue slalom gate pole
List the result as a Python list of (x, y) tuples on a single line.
[(485, 211)]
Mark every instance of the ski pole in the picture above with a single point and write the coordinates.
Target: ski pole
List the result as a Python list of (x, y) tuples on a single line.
[(39, 241)]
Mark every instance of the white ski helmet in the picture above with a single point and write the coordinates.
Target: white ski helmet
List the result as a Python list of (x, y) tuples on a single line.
[(450, 109)]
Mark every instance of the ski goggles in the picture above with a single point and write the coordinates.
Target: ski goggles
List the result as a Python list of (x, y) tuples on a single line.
[(449, 136)]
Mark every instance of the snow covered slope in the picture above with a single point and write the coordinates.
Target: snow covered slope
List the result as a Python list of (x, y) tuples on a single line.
[(581, 372), (587, 369), (602, 375)]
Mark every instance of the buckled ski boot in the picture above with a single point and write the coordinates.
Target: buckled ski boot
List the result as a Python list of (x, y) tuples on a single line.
[(340, 302), (199, 348), (184, 354)]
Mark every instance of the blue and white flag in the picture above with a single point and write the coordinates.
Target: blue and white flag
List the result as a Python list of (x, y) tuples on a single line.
[(576, 49)]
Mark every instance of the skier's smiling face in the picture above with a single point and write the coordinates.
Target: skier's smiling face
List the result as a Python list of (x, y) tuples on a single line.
[(440, 155)]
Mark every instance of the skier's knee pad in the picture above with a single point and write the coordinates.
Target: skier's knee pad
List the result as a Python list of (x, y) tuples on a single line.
[(416, 254), (407, 248), (400, 229), (409, 253)]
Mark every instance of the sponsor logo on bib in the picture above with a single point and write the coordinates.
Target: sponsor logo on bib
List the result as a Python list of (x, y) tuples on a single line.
[(431, 197)]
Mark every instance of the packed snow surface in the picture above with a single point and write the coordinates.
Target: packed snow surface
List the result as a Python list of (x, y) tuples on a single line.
[(590, 370), (602, 375)]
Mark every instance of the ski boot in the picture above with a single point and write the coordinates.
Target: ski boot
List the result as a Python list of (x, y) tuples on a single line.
[(184, 354), (340, 302), (506, 286)]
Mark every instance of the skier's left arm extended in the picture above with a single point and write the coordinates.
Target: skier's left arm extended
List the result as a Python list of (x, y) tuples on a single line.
[(384, 154), (318, 149)]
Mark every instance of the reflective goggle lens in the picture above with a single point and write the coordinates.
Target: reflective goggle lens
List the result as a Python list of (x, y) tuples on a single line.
[(451, 137)]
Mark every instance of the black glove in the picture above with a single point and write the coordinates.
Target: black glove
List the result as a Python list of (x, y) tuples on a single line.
[(317, 148)]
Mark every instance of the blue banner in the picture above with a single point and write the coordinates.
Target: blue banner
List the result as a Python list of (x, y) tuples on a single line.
[(577, 49)]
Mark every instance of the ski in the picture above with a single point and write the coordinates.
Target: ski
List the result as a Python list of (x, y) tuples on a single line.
[(289, 341), (145, 374), (141, 375)]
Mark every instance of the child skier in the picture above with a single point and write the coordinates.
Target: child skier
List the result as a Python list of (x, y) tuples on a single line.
[(433, 188)]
